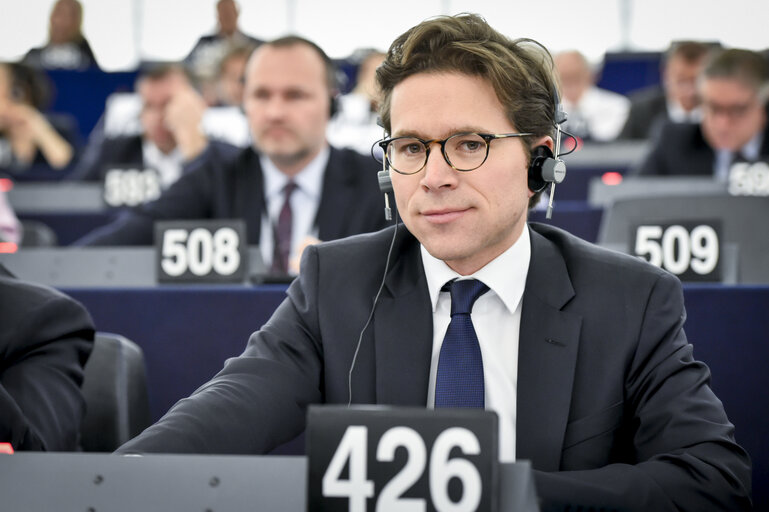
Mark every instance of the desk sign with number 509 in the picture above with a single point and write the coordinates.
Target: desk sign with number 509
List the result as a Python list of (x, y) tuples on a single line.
[(401, 458), (201, 251)]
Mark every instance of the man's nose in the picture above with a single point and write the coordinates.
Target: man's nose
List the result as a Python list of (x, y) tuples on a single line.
[(437, 171)]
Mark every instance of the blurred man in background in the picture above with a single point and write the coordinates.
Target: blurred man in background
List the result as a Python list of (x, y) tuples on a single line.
[(594, 114), (169, 133), (733, 87), (677, 100), (291, 187)]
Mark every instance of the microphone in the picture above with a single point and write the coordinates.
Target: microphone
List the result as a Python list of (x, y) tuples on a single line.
[(385, 185)]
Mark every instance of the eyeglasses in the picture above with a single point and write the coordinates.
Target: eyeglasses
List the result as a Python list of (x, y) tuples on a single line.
[(462, 151), (735, 111)]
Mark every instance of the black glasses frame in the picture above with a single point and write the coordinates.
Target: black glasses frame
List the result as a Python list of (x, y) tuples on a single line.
[(487, 137)]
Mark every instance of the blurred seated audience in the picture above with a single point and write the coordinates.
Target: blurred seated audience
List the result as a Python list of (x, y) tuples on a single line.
[(10, 228), (290, 186), (676, 100), (28, 138), (354, 124), (44, 344), (170, 114), (209, 49), (594, 114), (733, 87), (66, 48)]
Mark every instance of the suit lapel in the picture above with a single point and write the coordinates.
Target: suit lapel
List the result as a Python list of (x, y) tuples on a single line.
[(251, 195), (403, 328), (547, 355), (336, 200)]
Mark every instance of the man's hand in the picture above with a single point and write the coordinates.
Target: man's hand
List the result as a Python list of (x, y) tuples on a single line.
[(293, 265), (183, 116)]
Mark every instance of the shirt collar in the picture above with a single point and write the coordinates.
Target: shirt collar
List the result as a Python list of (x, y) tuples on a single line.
[(677, 113), (505, 275), (309, 180), (752, 149)]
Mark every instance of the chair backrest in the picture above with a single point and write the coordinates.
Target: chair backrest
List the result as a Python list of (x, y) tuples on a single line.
[(37, 234), (115, 391), (743, 221)]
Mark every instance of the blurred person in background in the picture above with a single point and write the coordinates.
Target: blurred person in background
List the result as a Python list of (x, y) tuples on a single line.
[(226, 90), (734, 88), (325, 192), (676, 100), (170, 115), (355, 123), (210, 49), (66, 48), (29, 140), (594, 113)]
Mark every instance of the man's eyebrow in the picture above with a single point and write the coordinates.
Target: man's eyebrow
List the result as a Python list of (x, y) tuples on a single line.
[(444, 135)]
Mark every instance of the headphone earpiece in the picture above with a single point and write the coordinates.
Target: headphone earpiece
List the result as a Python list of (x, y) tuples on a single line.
[(544, 168), (333, 106)]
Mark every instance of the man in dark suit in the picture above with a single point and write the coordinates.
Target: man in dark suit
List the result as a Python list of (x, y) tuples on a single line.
[(166, 136), (290, 85), (583, 354), (45, 340), (733, 89), (677, 100)]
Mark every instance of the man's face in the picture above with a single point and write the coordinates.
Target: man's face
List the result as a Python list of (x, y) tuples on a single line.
[(227, 14), (156, 93), (732, 113), (231, 80), (464, 218), (680, 79), (287, 104), (574, 74), (64, 22)]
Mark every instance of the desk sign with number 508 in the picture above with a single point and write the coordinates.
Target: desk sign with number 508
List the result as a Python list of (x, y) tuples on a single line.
[(201, 251), (401, 458)]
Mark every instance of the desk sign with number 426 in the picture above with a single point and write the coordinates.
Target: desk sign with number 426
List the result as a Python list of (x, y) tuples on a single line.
[(209, 251), (372, 458)]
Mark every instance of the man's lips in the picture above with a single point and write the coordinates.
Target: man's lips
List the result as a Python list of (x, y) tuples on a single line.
[(444, 215)]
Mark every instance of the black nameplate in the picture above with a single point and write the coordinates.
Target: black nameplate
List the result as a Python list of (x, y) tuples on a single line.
[(201, 251), (749, 179), (131, 186), (398, 458), (689, 249)]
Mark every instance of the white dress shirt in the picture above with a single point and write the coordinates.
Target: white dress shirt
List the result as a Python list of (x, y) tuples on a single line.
[(599, 114), (168, 166), (304, 202), (725, 158), (496, 318)]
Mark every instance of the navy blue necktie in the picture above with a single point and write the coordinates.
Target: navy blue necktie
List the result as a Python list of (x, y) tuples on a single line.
[(459, 381), (282, 233)]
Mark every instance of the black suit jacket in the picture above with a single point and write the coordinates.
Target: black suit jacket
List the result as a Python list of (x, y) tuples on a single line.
[(648, 111), (612, 409), (681, 150), (104, 153), (45, 340), (225, 182)]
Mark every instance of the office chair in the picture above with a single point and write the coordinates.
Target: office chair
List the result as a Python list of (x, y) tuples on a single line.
[(115, 391)]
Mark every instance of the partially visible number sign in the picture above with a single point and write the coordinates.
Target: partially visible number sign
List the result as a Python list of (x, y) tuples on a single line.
[(131, 187), (749, 179), (403, 459), (690, 250), (201, 251)]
